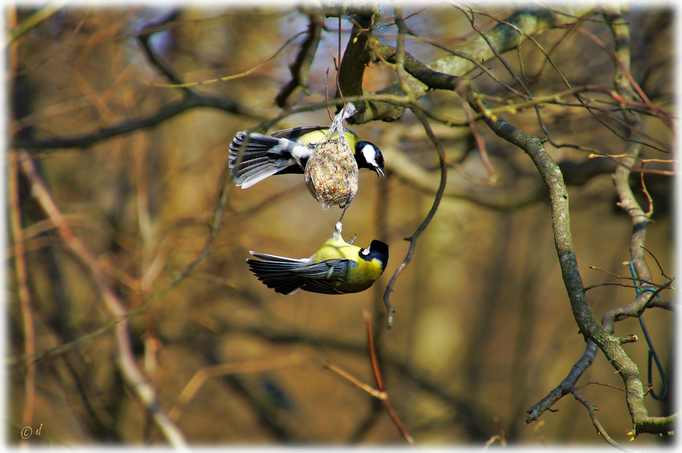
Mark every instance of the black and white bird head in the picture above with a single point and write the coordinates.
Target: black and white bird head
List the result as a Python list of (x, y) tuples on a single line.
[(368, 155)]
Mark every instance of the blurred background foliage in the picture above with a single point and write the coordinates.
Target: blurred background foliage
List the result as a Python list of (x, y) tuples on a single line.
[(483, 327)]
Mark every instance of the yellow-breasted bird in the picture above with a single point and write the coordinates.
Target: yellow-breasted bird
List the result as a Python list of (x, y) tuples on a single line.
[(287, 151), (338, 267), (328, 156)]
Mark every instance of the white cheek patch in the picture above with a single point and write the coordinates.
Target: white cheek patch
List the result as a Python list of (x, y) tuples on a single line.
[(370, 155)]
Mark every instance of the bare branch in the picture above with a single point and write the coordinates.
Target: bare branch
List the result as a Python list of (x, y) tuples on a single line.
[(251, 366), (24, 295), (413, 239), (33, 21), (626, 87), (592, 411), (126, 360), (621, 362), (192, 100), (582, 311), (502, 38), (300, 67), (381, 393)]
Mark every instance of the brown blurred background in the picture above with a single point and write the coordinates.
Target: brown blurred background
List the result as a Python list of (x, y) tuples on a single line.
[(483, 326)]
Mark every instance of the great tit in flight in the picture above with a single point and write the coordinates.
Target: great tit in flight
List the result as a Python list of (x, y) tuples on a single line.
[(287, 151), (338, 267)]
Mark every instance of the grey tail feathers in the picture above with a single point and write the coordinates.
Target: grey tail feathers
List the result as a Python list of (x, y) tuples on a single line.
[(275, 272), (263, 156)]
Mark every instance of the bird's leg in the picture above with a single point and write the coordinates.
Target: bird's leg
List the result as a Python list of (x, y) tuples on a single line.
[(342, 214), (345, 207)]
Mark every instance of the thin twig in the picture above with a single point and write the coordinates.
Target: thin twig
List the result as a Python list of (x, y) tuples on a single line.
[(381, 393), (595, 421), (353, 380), (472, 21), (599, 383), (626, 73), (126, 360), (33, 21), (372, 351), (657, 263), (480, 142), (214, 226), (24, 295), (251, 366), (427, 220), (304, 59), (490, 441), (197, 101), (637, 280)]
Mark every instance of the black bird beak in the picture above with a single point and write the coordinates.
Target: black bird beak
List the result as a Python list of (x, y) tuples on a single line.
[(380, 172)]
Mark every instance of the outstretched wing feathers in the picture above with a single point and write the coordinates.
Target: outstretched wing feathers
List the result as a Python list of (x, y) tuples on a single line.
[(263, 156), (283, 152), (287, 275)]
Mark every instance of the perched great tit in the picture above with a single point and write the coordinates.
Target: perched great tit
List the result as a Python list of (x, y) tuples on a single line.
[(338, 267), (287, 151)]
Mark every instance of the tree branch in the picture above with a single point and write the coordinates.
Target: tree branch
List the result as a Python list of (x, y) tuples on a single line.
[(595, 421), (301, 67), (192, 100), (425, 223), (632, 309), (33, 21), (635, 393), (24, 294), (582, 311), (126, 360), (126, 127), (442, 73)]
